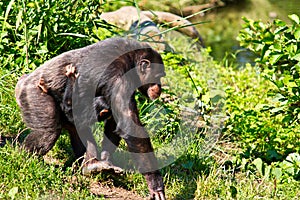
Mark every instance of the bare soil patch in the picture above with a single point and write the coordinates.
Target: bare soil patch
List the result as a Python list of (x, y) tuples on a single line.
[(113, 193)]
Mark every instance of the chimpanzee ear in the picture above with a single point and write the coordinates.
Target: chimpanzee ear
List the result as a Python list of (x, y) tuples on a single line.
[(144, 64)]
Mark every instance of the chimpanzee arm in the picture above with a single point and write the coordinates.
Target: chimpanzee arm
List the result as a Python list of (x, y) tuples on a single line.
[(130, 128), (142, 152)]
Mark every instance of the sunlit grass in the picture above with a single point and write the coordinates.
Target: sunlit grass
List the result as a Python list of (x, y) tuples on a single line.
[(219, 167)]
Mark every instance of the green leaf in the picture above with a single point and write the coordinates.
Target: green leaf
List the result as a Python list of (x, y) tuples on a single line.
[(259, 165), (279, 22), (279, 97), (291, 48), (277, 47), (12, 192), (268, 38), (293, 157), (8, 9), (271, 154), (297, 34), (294, 18), (287, 119), (277, 173), (267, 172), (288, 167), (188, 165), (296, 57), (19, 18), (279, 84), (274, 58), (264, 50), (277, 110), (73, 34)]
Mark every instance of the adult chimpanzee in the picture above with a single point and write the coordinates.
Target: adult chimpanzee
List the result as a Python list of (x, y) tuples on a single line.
[(110, 70)]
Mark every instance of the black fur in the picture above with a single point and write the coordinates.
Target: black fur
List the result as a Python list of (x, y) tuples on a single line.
[(102, 69)]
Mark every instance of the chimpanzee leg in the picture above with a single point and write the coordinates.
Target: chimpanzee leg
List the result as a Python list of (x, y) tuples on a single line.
[(110, 142), (41, 115), (77, 145), (111, 139)]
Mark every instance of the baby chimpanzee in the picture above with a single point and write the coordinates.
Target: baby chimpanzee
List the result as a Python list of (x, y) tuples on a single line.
[(100, 106)]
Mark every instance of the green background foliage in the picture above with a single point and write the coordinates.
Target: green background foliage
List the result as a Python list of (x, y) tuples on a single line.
[(246, 140), (277, 45)]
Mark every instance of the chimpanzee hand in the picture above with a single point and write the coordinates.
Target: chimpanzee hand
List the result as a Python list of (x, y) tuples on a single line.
[(159, 195), (155, 185)]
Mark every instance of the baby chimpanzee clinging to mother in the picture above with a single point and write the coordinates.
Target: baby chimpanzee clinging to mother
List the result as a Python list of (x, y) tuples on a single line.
[(101, 107)]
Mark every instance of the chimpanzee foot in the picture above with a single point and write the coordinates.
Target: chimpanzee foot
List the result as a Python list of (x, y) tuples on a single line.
[(104, 112), (99, 166)]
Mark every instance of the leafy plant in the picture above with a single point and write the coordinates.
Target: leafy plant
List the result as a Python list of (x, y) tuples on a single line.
[(278, 47), (33, 32)]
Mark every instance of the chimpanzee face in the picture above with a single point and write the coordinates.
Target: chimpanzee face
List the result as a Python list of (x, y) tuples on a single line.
[(150, 74)]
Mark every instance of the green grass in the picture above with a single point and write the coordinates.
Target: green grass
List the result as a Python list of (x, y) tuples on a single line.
[(25, 176), (236, 151), (226, 184), (10, 122)]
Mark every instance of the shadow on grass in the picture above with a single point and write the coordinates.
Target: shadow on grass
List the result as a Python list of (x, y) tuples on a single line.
[(18, 139)]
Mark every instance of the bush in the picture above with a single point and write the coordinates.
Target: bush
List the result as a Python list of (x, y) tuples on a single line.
[(34, 32), (278, 46)]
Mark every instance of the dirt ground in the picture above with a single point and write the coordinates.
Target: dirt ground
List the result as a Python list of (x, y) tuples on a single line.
[(113, 193)]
